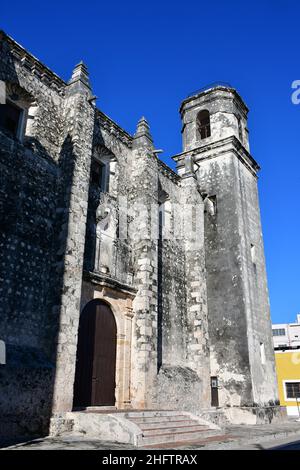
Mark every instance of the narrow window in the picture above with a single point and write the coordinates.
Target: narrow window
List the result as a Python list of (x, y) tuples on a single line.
[(203, 124), (161, 220), (240, 129), (98, 174), (11, 119), (253, 253), (164, 214), (262, 353)]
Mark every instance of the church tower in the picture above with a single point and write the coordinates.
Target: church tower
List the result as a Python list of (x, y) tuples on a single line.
[(215, 139)]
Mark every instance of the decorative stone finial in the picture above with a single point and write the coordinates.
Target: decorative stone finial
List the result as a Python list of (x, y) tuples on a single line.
[(80, 73), (143, 136)]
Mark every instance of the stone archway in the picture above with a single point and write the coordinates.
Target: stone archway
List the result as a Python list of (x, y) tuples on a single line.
[(119, 298)]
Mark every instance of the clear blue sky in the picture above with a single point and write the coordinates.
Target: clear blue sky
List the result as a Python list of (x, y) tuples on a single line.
[(145, 57)]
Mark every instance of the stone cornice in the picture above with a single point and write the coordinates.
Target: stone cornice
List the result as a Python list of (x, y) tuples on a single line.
[(208, 97), (33, 65), (107, 281), (221, 147), (168, 172), (112, 128), (51, 79)]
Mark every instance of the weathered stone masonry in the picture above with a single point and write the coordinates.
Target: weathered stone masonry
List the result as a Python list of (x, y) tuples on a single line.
[(186, 284)]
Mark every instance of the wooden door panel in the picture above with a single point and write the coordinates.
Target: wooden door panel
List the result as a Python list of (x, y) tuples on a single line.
[(104, 357), (96, 356)]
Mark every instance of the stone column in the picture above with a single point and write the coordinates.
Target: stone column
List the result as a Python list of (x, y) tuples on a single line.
[(75, 160)]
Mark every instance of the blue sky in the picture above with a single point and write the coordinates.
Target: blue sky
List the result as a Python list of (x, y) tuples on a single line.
[(145, 57)]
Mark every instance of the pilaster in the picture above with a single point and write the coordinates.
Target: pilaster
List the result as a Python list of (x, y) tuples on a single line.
[(75, 159)]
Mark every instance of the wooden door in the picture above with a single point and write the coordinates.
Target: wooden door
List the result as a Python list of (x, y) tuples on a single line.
[(96, 357)]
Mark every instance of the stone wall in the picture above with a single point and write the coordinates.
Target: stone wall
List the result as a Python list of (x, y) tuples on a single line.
[(238, 298), (44, 176), (29, 194), (226, 305), (184, 362), (263, 374)]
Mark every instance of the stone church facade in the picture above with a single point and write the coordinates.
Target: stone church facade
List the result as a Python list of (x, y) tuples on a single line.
[(123, 283)]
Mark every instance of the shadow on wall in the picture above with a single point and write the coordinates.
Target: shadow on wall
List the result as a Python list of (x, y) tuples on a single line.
[(34, 202), (31, 297)]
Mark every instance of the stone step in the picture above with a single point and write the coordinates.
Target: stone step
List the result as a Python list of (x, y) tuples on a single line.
[(169, 427), (163, 424), (159, 419), (140, 428), (100, 409), (149, 414), (174, 437), (173, 430)]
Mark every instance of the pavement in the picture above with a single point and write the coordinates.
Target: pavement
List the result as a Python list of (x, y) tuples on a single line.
[(282, 436), (276, 444)]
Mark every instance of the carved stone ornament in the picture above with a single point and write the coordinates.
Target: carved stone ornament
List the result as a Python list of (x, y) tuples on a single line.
[(20, 96)]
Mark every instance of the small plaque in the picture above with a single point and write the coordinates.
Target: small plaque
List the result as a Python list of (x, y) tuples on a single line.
[(2, 352), (2, 92)]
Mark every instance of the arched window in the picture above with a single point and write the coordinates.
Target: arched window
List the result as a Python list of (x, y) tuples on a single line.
[(203, 124)]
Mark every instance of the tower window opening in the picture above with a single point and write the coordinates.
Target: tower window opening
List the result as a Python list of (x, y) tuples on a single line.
[(253, 253), (161, 220), (240, 129), (203, 124)]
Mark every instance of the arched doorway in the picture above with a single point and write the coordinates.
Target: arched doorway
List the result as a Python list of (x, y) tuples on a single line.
[(96, 356)]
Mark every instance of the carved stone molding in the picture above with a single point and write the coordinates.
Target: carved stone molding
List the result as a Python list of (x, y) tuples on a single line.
[(20, 96), (112, 128)]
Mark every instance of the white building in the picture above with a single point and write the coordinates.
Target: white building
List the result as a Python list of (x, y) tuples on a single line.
[(286, 335)]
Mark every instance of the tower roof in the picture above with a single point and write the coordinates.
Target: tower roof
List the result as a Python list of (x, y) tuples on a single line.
[(212, 88), (209, 86)]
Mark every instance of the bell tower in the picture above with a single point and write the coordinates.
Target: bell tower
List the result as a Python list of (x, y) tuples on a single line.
[(215, 139), (214, 114)]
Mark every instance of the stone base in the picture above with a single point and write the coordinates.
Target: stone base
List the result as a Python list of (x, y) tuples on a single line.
[(178, 388), (245, 415)]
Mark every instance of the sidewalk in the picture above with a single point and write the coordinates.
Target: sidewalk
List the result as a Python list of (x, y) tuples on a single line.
[(244, 435), (233, 437)]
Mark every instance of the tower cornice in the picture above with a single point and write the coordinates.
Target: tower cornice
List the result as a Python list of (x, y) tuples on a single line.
[(207, 94), (216, 149)]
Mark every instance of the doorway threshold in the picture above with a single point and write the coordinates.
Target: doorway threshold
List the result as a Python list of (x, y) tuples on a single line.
[(95, 408)]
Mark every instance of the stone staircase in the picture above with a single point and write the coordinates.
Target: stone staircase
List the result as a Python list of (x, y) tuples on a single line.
[(170, 427), (140, 428)]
